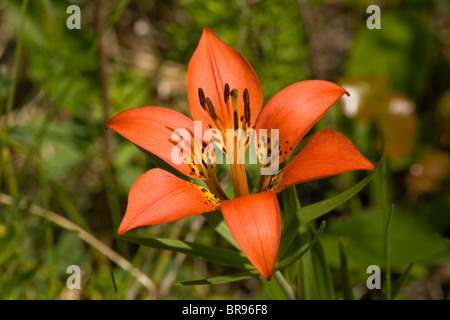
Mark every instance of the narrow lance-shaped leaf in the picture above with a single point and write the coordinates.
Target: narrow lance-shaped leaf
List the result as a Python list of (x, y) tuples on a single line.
[(221, 279), (252, 274), (291, 206), (302, 251), (212, 254), (318, 209), (314, 275), (398, 284), (218, 223)]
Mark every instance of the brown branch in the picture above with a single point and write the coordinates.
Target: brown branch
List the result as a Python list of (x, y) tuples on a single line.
[(316, 69)]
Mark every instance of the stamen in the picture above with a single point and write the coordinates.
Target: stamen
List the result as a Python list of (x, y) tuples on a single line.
[(226, 93), (234, 98), (236, 120), (246, 106), (211, 109), (201, 96)]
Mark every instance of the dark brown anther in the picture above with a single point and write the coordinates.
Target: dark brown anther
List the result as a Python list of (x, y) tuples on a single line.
[(234, 93), (211, 109), (226, 93), (236, 120), (201, 96), (246, 106)]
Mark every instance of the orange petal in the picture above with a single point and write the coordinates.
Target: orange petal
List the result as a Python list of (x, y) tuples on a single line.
[(327, 153), (255, 224), (151, 128), (213, 64), (159, 197), (295, 109)]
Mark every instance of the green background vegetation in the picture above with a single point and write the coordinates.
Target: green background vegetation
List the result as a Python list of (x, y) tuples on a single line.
[(64, 180)]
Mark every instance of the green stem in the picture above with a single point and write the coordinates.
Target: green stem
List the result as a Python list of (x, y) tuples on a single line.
[(284, 285)]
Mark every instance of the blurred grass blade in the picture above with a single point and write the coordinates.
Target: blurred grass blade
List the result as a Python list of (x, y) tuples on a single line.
[(112, 278), (318, 209), (315, 281), (69, 207), (347, 286), (220, 256), (221, 279), (398, 284)]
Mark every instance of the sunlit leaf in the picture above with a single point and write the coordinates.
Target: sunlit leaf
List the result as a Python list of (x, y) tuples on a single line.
[(318, 209)]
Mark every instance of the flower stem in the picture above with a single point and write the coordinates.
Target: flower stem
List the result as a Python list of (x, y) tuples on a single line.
[(278, 276)]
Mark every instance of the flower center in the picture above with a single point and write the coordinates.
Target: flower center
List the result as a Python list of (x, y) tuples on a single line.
[(237, 119)]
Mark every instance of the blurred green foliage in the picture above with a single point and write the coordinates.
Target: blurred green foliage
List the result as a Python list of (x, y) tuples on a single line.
[(55, 153)]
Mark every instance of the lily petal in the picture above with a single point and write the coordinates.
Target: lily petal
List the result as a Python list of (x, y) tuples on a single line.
[(212, 65), (151, 128), (326, 153), (255, 223), (159, 197), (294, 110)]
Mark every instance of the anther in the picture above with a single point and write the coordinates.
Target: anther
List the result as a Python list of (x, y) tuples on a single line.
[(246, 105), (234, 98), (211, 109), (236, 120), (201, 96), (226, 93)]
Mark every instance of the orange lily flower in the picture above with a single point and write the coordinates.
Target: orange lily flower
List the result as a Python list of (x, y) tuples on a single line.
[(224, 93)]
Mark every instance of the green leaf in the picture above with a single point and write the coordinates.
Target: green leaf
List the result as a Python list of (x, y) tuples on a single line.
[(216, 220), (113, 279), (221, 256), (347, 286), (318, 209), (251, 274), (315, 281), (291, 206), (221, 279), (412, 239), (302, 251)]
